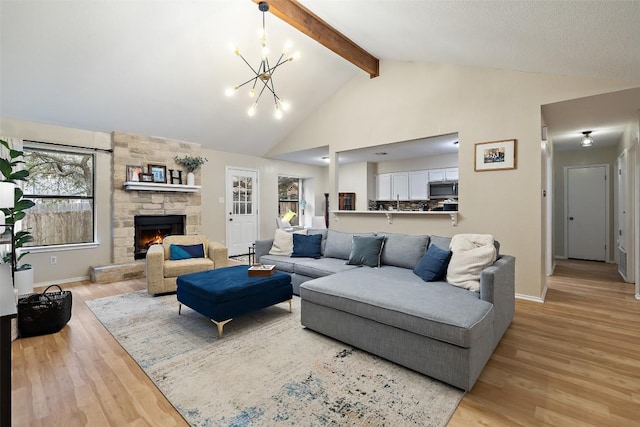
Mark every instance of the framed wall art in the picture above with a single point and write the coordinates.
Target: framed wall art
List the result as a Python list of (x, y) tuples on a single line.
[(159, 173), (495, 155)]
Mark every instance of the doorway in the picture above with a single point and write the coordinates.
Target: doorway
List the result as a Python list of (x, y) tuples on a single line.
[(587, 212), (242, 207)]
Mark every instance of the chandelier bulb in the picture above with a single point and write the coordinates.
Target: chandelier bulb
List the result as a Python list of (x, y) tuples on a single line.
[(277, 114), (265, 51), (296, 55), (231, 90), (252, 93), (285, 105), (252, 111)]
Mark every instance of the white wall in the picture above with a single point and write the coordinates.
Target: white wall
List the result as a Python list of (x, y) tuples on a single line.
[(354, 178), (409, 101)]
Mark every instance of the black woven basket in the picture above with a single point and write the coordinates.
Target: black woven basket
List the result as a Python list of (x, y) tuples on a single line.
[(44, 313)]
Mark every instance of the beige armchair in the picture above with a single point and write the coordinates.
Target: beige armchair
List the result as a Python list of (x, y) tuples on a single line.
[(163, 272)]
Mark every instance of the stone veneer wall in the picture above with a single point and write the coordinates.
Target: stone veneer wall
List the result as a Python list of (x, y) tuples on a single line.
[(129, 149)]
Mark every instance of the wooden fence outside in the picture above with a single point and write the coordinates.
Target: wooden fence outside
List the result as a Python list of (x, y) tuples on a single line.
[(60, 224)]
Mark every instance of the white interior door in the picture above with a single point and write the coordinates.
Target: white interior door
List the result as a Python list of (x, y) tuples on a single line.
[(587, 207), (242, 210)]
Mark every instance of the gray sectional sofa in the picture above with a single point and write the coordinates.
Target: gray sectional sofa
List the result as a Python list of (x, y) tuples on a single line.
[(435, 328)]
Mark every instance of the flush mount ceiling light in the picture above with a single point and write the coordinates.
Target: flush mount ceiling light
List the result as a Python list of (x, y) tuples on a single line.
[(587, 141), (263, 78)]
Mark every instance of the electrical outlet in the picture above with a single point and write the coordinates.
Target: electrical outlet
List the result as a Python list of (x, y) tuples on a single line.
[(53, 260)]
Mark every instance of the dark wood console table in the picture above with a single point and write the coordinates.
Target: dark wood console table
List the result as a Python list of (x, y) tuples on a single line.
[(8, 311)]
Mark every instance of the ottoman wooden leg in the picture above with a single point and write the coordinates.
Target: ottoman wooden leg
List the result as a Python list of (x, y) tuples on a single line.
[(289, 305), (179, 309), (220, 326)]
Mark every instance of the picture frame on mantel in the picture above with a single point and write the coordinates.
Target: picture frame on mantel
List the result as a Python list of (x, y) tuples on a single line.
[(134, 172), (159, 173), (495, 155), (146, 177)]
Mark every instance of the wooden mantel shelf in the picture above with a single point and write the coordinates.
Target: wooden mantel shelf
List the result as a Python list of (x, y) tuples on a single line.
[(157, 186), (389, 214)]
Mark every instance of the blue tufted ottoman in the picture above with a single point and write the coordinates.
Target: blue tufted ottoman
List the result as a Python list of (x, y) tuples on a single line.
[(229, 292)]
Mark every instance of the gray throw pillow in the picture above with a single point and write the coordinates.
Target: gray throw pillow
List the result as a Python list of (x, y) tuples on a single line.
[(366, 250), (404, 250), (339, 244)]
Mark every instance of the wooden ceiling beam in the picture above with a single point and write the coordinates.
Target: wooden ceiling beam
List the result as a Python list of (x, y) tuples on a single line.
[(305, 21)]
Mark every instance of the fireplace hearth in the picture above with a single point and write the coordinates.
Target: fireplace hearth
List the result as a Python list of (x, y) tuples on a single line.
[(151, 229)]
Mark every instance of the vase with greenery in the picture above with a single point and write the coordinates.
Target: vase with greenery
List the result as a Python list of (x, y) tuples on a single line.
[(11, 172), (192, 163)]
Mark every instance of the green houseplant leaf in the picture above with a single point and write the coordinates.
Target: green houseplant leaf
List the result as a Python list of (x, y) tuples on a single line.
[(9, 168)]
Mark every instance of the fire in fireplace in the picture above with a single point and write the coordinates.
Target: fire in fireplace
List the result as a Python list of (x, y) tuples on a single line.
[(151, 229)]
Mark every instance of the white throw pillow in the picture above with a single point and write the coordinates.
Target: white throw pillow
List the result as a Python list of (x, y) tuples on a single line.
[(471, 253), (283, 242)]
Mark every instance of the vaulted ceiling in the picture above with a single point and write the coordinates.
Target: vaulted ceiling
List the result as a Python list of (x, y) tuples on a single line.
[(161, 67)]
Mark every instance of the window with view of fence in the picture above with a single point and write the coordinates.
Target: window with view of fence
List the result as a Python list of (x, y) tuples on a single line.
[(288, 196), (61, 186)]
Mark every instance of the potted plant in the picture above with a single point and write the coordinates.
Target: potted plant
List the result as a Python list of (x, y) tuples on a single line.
[(23, 273), (192, 163)]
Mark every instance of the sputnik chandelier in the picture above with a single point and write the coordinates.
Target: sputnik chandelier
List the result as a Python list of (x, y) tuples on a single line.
[(264, 73)]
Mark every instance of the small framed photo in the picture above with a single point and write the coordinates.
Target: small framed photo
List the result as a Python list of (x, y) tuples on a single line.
[(134, 172), (495, 155), (146, 177), (159, 173)]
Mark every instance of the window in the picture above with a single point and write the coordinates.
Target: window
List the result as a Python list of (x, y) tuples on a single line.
[(61, 185), (288, 196)]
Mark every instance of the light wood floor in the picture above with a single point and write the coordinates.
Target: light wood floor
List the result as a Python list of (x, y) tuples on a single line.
[(574, 360)]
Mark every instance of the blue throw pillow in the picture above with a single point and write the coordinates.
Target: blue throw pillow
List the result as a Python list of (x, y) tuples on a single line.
[(366, 250), (433, 265), (186, 251), (306, 246)]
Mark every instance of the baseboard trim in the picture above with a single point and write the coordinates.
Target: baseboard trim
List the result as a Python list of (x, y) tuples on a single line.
[(530, 298), (60, 282)]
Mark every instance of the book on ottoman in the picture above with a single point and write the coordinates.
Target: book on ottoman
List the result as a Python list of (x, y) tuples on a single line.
[(261, 270)]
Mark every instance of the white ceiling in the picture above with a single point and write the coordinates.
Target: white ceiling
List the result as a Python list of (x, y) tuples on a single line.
[(160, 67), (607, 116)]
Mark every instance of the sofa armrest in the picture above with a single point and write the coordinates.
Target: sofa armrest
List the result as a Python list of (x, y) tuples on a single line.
[(219, 254), (155, 269), (262, 248), (497, 285)]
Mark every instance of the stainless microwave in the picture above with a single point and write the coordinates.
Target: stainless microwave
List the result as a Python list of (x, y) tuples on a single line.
[(443, 189)]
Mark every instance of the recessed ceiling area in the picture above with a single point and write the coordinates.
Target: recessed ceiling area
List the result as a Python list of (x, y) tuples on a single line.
[(423, 147), (606, 115)]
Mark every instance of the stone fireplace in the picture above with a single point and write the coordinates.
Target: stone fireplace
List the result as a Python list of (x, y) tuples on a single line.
[(129, 149)]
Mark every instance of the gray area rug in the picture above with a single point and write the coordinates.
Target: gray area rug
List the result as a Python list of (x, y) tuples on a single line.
[(267, 370)]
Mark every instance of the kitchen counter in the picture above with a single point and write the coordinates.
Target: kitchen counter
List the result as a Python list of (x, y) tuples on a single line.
[(390, 214)]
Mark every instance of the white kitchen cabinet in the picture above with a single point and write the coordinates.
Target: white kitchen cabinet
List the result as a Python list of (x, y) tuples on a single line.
[(436, 175), (400, 186), (383, 186), (448, 174), (418, 185), (451, 174)]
